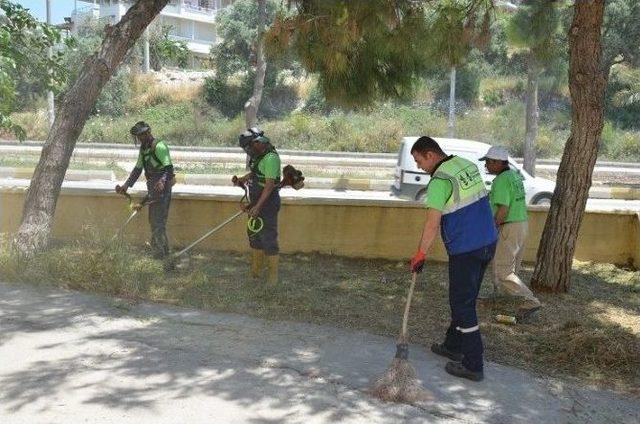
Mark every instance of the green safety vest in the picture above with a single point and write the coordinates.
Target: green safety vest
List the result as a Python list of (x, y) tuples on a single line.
[(467, 222), (253, 166), (467, 183), (150, 161)]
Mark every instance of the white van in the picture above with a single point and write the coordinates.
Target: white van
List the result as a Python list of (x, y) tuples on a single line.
[(411, 182)]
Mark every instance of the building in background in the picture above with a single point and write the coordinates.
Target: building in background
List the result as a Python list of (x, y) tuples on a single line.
[(191, 21)]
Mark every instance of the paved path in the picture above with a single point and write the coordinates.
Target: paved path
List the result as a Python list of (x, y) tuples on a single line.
[(71, 357)]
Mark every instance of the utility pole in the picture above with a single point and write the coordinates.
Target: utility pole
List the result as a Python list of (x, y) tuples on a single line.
[(50, 102), (145, 62), (451, 127)]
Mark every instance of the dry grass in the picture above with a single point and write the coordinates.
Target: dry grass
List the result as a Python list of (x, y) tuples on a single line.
[(591, 335), (146, 92)]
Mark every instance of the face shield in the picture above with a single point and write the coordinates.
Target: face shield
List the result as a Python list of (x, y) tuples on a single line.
[(137, 130), (246, 138)]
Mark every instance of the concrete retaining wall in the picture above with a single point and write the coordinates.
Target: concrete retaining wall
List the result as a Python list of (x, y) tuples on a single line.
[(341, 227)]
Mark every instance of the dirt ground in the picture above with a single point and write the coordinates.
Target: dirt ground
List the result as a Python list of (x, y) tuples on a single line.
[(590, 336)]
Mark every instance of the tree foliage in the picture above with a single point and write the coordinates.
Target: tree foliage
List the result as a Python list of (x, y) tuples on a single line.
[(621, 33), (361, 49), (536, 27), (23, 57), (163, 50), (234, 60), (456, 27)]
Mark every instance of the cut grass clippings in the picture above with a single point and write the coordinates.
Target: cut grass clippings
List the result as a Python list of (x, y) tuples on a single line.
[(591, 335)]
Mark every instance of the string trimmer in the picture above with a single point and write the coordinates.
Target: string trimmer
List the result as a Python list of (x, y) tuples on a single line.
[(290, 177), (133, 207)]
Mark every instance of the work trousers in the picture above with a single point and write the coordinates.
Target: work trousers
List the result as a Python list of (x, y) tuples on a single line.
[(466, 271), (508, 260), (267, 238), (158, 215)]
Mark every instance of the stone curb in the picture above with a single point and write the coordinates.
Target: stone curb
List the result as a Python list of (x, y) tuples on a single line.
[(71, 174), (310, 182), (341, 183)]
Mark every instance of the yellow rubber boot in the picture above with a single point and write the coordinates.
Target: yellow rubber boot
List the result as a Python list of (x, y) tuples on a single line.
[(272, 269), (257, 262)]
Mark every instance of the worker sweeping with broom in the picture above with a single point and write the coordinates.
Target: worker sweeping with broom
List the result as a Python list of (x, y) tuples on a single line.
[(457, 204), (264, 186)]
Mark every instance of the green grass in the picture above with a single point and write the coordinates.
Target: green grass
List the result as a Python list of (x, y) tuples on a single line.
[(182, 117), (16, 161), (591, 335)]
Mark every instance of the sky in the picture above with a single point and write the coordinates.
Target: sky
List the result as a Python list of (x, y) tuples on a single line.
[(59, 8)]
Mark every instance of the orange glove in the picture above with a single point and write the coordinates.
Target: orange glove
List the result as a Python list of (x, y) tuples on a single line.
[(417, 262)]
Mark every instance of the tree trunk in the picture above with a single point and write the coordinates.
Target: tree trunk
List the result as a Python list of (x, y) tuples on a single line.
[(42, 196), (587, 81), (252, 105), (451, 126), (532, 116)]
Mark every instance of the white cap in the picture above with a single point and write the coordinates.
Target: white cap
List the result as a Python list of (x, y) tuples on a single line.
[(496, 153)]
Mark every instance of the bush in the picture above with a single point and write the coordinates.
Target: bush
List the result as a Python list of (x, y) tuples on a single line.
[(316, 103), (467, 87), (228, 98), (498, 91), (278, 101), (115, 95), (617, 144)]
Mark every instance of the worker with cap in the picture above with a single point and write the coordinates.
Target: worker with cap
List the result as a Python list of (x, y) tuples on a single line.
[(263, 181), (457, 204), (508, 204), (154, 159)]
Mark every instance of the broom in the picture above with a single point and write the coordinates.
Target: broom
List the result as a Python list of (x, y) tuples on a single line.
[(399, 383)]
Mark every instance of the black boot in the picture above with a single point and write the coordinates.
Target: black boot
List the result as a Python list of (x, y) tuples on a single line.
[(459, 370), (441, 349)]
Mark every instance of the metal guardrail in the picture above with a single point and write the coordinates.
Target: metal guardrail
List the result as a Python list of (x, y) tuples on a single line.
[(310, 153)]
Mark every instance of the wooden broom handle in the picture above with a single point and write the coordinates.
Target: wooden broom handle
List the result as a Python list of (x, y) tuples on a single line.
[(405, 318)]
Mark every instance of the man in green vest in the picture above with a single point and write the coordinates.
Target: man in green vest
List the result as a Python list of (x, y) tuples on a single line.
[(457, 204), (263, 180), (154, 159), (509, 208)]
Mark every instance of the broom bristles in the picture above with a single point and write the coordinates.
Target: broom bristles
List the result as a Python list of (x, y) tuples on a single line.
[(399, 383)]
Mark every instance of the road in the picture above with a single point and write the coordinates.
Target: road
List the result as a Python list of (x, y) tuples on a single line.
[(73, 357), (113, 152), (301, 195)]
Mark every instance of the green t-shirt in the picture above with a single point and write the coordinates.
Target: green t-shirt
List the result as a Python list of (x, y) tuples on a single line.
[(507, 189), (438, 193), (269, 166), (161, 155)]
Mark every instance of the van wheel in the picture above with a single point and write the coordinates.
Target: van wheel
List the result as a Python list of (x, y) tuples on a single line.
[(421, 195), (543, 199)]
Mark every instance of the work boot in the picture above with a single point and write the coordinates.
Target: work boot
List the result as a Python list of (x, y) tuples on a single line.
[(441, 349), (459, 370), (257, 262), (272, 269)]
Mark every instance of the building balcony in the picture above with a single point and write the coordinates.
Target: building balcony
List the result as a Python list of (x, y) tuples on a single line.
[(201, 47)]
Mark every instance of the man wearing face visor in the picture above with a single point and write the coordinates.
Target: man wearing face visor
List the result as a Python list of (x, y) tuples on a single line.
[(263, 181), (154, 159)]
